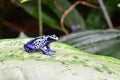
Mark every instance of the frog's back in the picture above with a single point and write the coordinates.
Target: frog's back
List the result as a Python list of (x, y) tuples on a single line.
[(38, 41)]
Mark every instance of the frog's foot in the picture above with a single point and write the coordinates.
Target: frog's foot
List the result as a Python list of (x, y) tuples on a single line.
[(49, 53), (51, 50), (46, 52)]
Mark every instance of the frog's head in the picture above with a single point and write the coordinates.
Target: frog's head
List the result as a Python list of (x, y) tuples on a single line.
[(29, 47), (52, 38)]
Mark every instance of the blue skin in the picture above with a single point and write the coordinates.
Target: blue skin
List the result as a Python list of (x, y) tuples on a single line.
[(31, 46)]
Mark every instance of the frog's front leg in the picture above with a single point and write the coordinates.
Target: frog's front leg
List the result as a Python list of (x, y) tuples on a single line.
[(43, 50), (49, 49)]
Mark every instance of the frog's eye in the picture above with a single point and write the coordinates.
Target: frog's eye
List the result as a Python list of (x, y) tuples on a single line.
[(54, 37)]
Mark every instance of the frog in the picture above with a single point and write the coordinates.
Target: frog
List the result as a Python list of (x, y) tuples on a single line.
[(38, 44)]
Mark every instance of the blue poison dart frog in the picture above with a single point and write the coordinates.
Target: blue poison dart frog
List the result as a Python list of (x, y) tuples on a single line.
[(39, 43)]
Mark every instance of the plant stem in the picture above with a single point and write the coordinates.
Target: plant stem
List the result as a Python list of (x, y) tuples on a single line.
[(105, 14), (70, 9), (40, 17)]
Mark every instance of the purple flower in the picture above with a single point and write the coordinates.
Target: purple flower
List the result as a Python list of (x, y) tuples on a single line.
[(74, 28)]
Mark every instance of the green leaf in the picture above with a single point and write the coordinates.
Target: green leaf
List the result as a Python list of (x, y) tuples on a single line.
[(31, 7), (68, 63), (102, 42)]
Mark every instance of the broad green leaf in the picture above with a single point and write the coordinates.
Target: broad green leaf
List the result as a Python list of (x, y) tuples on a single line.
[(31, 7), (68, 63), (102, 42)]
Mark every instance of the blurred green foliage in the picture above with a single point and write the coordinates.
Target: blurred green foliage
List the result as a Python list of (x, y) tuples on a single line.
[(82, 16)]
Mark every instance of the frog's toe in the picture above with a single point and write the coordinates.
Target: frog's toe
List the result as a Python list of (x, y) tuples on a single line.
[(49, 54), (51, 50)]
